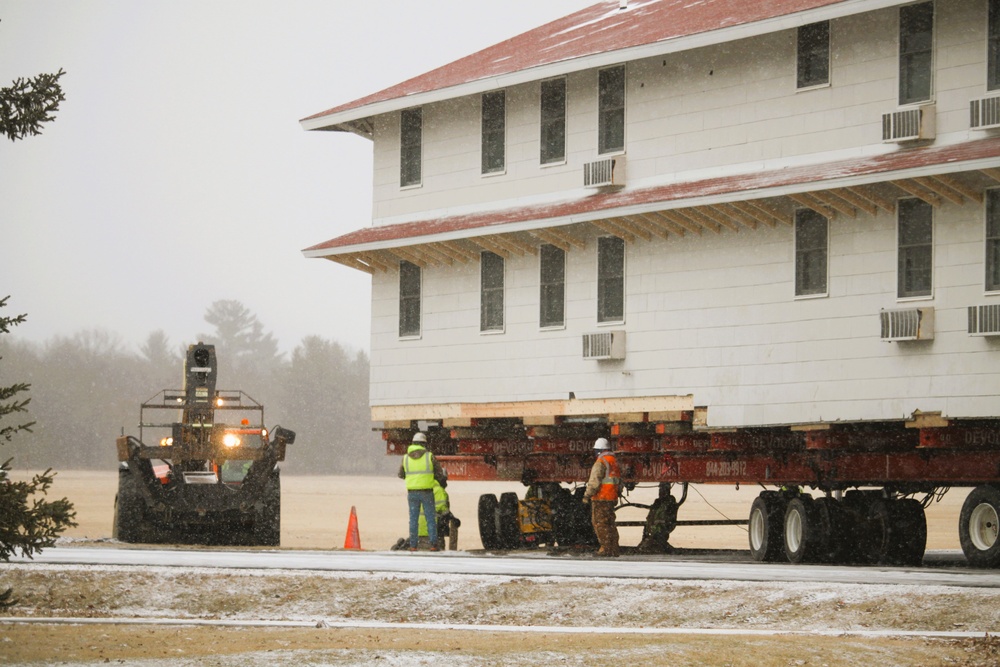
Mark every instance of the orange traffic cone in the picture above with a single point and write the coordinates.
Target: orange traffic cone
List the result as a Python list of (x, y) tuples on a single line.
[(353, 540)]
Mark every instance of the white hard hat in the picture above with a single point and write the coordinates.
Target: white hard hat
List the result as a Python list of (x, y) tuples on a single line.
[(602, 443), (419, 437)]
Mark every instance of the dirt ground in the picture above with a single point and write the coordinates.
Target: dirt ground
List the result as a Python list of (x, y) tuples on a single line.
[(601, 621), (315, 511)]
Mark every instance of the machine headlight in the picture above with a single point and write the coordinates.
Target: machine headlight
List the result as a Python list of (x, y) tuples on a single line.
[(166, 442), (231, 440)]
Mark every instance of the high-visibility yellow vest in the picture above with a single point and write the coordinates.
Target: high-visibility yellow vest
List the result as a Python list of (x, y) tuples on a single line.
[(419, 471)]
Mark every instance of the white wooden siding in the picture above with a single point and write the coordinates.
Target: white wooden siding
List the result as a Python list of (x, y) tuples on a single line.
[(712, 315)]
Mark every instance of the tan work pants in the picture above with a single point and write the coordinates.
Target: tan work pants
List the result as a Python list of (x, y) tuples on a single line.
[(602, 515)]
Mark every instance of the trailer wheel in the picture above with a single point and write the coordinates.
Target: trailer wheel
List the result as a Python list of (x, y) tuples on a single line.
[(910, 532), (508, 527), (128, 508), (765, 529), (804, 533), (835, 524), (562, 518), (488, 521), (267, 518), (979, 527)]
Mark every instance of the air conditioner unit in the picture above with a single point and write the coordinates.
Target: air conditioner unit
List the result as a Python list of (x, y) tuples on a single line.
[(907, 324), (984, 320), (908, 124), (604, 345), (604, 173), (984, 113)]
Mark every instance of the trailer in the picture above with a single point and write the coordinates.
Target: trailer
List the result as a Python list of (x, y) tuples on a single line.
[(210, 475), (836, 493)]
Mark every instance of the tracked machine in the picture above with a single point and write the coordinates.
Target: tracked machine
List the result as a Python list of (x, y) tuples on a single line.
[(210, 475)]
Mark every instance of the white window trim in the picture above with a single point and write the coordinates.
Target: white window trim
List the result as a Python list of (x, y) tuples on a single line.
[(795, 259), (597, 269), (829, 60), (419, 335), (503, 327), (552, 327), (506, 160), (597, 103), (932, 97)]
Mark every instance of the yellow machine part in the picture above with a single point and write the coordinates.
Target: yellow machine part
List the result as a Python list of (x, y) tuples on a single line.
[(534, 515)]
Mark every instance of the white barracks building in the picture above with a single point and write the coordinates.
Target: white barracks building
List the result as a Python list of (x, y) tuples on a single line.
[(749, 241)]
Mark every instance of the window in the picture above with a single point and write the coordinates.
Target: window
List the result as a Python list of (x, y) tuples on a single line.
[(610, 279), (494, 132), (409, 299), (811, 248), (491, 295), (992, 240), (814, 55), (915, 245), (611, 110), (552, 297), (916, 39), (553, 121), (993, 47), (410, 128)]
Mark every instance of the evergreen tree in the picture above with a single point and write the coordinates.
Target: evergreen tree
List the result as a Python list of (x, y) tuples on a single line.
[(27, 524), (28, 103)]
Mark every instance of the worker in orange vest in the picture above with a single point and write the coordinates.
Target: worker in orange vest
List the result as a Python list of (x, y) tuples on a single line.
[(602, 492)]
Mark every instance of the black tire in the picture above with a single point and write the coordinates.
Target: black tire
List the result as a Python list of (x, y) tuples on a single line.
[(979, 527), (508, 525), (836, 526), (267, 518), (129, 509), (562, 518), (766, 527), (909, 532), (488, 522), (805, 538)]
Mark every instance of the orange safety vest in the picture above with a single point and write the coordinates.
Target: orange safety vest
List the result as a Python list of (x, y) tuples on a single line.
[(611, 481)]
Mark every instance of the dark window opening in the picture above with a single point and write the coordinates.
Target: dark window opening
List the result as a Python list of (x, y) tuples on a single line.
[(915, 248), (491, 295), (494, 132), (611, 110), (552, 297), (814, 54), (610, 279), (553, 121), (409, 299)]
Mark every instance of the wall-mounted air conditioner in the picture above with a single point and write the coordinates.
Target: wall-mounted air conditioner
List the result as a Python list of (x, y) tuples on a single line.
[(984, 320), (604, 345), (907, 324), (984, 113), (908, 124), (604, 173)]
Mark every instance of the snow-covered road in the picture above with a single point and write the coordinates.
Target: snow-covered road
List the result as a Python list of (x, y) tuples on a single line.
[(947, 569)]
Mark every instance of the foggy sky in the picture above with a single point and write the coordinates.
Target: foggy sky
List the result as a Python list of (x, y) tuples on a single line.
[(176, 173)]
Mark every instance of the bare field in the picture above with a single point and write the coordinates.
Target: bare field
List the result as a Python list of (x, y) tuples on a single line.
[(315, 511)]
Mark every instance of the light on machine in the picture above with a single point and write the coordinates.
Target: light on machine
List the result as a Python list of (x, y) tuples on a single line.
[(231, 440), (166, 442)]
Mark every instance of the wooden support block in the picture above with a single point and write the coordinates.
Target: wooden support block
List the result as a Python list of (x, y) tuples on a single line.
[(668, 416), (927, 420), (456, 422), (627, 417)]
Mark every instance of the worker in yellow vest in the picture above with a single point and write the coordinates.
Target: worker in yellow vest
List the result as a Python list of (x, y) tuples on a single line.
[(442, 511), (602, 492), (420, 470)]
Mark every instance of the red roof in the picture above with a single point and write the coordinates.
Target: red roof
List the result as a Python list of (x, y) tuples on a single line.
[(944, 159), (602, 28)]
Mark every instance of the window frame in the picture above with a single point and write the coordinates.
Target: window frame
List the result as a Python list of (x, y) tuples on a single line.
[(552, 120), (811, 50), (911, 53), (606, 282), (610, 110), (491, 292), (411, 147), (407, 298), (993, 45), (494, 132), (551, 287), (991, 241), (921, 252), (805, 261)]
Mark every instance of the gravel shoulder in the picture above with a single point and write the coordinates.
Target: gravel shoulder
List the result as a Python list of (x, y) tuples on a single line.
[(593, 621)]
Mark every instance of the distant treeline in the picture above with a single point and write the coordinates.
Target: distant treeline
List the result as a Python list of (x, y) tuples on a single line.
[(86, 390)]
